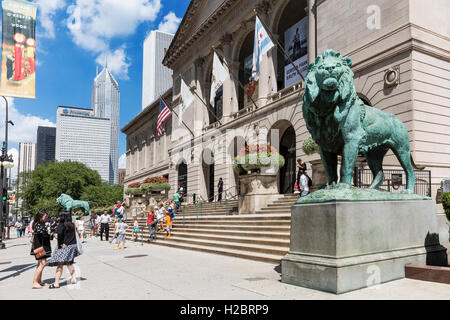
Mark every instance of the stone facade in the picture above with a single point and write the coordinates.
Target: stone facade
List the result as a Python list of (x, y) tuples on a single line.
[(400, 59)]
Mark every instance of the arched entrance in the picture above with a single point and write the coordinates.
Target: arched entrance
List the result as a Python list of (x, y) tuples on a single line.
[(286, 146), (182, 176), (208, 173), (288, 171)]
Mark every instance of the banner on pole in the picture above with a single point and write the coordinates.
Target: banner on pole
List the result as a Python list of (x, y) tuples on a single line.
[(296, 46), (18, 71)]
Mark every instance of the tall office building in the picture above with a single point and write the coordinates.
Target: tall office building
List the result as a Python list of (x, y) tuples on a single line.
[(106, 104), (27, 157), (82, 137), (45, 146), (156, 78)]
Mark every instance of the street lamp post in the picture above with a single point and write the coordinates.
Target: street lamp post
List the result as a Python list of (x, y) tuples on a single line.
[(6, 162)]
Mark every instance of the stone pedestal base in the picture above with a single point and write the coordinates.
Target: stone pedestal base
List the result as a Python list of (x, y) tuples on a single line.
[(342, 246), (257, 190)]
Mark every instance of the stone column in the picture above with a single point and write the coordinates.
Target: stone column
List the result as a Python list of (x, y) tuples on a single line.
[(229, 85), (311, 31)]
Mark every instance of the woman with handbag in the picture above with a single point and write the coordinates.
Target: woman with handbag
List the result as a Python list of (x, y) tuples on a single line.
[(68, 249), (40, 247)]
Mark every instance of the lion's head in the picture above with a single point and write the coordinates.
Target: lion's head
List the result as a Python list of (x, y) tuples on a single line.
[(63, 199), (329, 75)]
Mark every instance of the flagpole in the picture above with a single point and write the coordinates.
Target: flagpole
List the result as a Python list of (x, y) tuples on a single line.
[(280, 47), (229, 69), (173, 111), (201, 99)]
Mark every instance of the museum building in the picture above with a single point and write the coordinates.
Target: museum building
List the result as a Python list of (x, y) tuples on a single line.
[(401, 62)]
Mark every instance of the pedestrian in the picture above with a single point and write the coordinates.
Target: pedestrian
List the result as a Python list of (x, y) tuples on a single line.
[(160, 217), (301, 167), (116, 230), (29, 231), (220, 189), (97, 224), (40, 248), (120, 210), (176, 199), (168, 222), (104, 225), (80, 227), (67, 249), (93, 225), (122, 227), (18, 226), (151, 223), (304, 184), (135, 228)]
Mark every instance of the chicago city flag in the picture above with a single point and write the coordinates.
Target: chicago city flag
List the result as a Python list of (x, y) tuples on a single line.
[(219, 75), (262, 44), (164, 113)]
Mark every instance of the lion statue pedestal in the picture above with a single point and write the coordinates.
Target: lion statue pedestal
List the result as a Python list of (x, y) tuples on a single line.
[(345, 238)]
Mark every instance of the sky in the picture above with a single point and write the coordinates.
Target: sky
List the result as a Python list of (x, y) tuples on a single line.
[(73, 37)]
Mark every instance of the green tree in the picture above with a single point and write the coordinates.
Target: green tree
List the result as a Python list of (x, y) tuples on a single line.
[(103, 195), (49, 179)]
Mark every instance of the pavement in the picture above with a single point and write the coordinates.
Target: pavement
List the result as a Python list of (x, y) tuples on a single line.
[(153, 272)]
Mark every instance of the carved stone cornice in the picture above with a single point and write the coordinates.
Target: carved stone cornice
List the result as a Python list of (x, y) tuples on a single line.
[(180, 44)]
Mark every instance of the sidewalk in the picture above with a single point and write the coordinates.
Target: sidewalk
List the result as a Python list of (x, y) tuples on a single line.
[(158, 272)]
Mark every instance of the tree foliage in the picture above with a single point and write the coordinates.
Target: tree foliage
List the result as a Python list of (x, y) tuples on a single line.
[(49, 179), (102, 195)]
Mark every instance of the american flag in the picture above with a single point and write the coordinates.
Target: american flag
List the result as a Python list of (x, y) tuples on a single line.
[(164, 113)]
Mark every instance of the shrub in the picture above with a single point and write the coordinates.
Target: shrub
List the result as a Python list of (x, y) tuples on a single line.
[(309, 146), (146, 187), (446, 203)]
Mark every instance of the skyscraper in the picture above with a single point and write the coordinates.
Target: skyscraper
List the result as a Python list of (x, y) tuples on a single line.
[(83, 138), (156, 78), (27, 157), (45, 147), (106, 104)]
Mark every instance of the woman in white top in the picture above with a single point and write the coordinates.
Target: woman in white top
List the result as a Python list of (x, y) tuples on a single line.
[(79, 224)]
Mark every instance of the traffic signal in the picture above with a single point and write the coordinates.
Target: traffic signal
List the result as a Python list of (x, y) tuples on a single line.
[(4, 194)]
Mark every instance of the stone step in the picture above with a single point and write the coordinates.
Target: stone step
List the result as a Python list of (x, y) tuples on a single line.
[(270, 258), (238, 228), (275, 210), (214, 238), (177, 222), (237, 233)]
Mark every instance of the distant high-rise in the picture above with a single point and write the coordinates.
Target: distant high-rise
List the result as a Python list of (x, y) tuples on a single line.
[(106, 104), (45, 146), (81, 137), (27, 157), (156, 78)]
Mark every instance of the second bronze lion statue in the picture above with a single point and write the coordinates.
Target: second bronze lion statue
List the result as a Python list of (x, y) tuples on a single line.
[(342, 124)]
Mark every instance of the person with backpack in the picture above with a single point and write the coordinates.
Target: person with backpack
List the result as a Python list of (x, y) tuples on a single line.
[(305, 183)]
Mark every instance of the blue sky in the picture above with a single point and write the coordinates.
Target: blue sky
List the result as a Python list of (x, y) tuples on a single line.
[(73, 38)]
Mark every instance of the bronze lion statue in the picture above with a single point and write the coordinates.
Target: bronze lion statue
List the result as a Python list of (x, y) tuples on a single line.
[(341, 124)]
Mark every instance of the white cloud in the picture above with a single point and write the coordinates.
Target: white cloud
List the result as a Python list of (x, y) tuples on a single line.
[(123, 161), (170, 23), (47, 10), (25, 125), (118, 63), (94, 22)]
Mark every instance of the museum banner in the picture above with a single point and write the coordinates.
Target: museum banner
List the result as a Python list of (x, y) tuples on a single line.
[(296, 46), (18, 72)]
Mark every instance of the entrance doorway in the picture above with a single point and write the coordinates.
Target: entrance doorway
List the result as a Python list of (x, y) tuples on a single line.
[(208, 173), (288, 171), (182, 177)]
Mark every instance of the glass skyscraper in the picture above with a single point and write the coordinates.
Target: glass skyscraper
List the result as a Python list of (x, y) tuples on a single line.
[(106, 104)]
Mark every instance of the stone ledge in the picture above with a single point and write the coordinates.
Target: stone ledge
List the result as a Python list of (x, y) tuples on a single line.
[(428, 273)]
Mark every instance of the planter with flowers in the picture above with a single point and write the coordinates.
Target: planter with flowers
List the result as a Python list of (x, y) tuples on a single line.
[(258, 167)]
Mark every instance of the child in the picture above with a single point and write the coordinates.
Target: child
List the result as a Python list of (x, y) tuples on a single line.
[(160, 217), (116, 230), (135, 228), (121, 227), (168, 224)]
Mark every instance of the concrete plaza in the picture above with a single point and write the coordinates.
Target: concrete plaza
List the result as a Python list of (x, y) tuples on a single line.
[(157, 272)]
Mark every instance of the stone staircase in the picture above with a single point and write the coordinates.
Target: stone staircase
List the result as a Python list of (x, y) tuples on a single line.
[(216, 228)]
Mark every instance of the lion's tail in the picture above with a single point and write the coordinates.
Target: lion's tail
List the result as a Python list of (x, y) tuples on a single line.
[(415, 166)]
